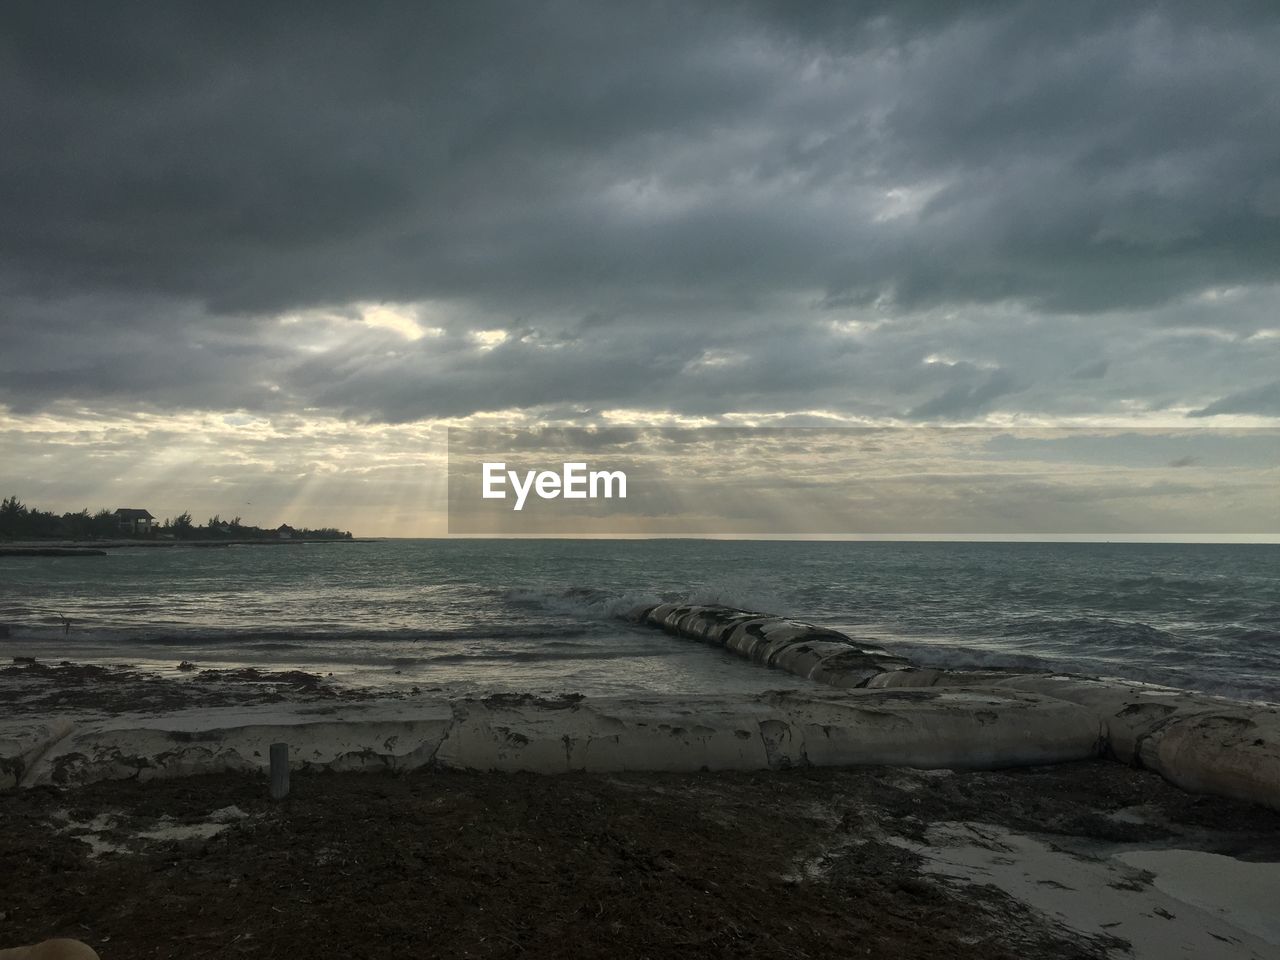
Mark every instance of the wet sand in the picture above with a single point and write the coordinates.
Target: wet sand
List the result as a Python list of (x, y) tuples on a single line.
[(41, 688)]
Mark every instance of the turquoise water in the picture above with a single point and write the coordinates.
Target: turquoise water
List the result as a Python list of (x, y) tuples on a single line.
[(541, 615)]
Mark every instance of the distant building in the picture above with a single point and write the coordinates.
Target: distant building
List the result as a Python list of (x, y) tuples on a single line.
[(285, 532), (133, 522)]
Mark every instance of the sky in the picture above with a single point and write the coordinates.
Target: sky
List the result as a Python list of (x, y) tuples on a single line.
[(256, 258)]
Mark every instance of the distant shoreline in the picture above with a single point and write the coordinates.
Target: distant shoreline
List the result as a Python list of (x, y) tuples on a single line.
[(87, 548)]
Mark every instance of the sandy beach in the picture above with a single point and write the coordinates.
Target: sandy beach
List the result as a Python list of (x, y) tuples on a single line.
[(870, 807), (122, 837), (805, 863)]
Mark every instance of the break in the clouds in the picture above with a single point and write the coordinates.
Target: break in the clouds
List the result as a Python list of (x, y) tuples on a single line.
[(398, 213)]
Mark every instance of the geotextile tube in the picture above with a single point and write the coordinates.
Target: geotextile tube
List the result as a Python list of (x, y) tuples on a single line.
[(952, 729), (1204, 744), (815, 653), (875, 709)]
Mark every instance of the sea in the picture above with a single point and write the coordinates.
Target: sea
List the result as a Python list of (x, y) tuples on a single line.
[(473, 616)]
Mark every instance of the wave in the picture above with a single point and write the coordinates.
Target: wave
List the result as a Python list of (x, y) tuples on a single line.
[(214, 636), (587, 602), (540, 656), (1218, 682), (1206, 619), (601, 604), (1104, 631)]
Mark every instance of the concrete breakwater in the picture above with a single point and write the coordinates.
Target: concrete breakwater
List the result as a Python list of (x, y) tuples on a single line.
[(1201, 743)]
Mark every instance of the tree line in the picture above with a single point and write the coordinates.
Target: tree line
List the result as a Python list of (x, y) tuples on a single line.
[(21, 522)]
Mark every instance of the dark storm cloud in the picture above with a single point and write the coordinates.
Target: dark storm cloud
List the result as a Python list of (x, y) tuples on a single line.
[(698, 207)]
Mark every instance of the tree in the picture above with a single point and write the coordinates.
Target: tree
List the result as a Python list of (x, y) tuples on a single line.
[(182, 527), (77, 526), (104, 524), (19, 520), (13, 513)]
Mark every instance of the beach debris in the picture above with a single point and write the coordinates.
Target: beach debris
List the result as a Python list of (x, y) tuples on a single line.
[(168, 829), (116, 832), (270, 680), (643, 840), (33, 688), (231, 814)]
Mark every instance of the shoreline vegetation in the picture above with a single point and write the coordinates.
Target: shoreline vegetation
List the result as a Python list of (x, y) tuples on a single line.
[(99, 548), (22, 525)]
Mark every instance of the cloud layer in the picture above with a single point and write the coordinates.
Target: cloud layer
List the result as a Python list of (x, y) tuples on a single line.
[(390, 213)]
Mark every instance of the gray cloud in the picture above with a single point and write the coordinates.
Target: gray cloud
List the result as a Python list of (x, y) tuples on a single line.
[(1091, 371), (964, 399), (697, 207), (1264, 399)]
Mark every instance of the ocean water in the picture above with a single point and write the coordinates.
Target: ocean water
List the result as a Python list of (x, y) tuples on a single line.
[(547, 615)]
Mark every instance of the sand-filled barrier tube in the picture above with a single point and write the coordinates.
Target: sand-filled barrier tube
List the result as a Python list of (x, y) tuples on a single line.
[(24, 743), (883, 711), (809, 651), (955, 729), (1205, 744)]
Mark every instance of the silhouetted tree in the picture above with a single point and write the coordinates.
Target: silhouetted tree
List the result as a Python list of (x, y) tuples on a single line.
[(183, 529)]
